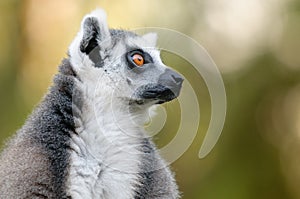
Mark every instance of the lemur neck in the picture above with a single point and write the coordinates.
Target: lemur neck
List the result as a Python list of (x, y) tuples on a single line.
[(107, 148), (110, 113)]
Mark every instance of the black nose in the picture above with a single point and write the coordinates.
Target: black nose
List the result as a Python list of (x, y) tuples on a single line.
[(171, 80), (176, 77)]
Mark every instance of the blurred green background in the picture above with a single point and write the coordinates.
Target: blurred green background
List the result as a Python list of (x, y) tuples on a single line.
[(256, 45)]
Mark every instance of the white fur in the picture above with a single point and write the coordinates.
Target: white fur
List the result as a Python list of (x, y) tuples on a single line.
[(105, 158), (146, 41), (102, 148), (78, 59), (151, 39)]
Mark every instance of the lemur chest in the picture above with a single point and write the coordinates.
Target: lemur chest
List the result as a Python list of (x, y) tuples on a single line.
[(103, 164)]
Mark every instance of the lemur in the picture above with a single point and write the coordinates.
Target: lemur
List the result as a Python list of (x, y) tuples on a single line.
[(86, 139)]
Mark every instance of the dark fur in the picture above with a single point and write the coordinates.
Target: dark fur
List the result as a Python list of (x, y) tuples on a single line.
[(155, 182), (35, 162)]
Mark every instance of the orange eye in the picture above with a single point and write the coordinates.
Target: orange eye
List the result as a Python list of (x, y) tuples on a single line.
[(138, 59)]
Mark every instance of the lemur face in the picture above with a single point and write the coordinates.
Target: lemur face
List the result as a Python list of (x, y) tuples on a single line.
[(123, 62)]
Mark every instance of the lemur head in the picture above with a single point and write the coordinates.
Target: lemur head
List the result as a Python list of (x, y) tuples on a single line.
[(122, 62)]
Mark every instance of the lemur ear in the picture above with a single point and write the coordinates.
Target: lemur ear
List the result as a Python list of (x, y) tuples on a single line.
[(94, 32), (150, 38)]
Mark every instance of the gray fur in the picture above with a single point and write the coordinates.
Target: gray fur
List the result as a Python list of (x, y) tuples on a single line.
[(155, 183), (37, 161)]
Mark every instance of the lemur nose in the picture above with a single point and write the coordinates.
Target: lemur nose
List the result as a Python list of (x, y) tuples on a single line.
[(177, 78), (172, 80)]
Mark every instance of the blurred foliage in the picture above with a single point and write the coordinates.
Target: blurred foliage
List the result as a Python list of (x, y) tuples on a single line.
[(255, 43)]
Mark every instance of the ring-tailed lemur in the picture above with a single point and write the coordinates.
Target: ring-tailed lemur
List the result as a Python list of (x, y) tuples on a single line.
[(85, 140)]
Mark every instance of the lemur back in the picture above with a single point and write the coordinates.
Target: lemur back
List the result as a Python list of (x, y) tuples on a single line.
[(85, 138)]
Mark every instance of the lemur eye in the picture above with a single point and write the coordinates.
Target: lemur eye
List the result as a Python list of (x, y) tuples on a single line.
[(138, 59)]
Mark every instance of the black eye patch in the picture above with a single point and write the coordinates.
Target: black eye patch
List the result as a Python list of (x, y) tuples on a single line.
[(146, 57)]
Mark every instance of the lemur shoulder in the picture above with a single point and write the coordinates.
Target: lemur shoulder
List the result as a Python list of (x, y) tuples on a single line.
[(84, 139)]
